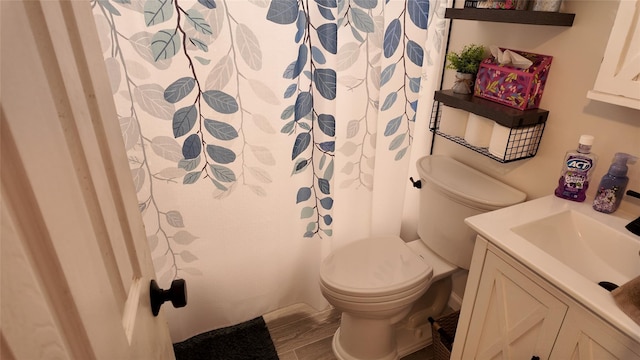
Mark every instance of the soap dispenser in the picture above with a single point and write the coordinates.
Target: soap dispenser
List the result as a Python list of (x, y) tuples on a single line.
[(613, 184)]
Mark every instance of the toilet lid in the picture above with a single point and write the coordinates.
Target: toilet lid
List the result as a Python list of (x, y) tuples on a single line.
[(467, 184), (374, 267)]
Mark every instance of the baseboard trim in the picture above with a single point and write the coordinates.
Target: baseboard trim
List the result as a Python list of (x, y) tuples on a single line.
[(455, 302)]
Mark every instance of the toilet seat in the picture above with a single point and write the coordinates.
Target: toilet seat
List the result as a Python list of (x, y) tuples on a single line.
[(375, 270)]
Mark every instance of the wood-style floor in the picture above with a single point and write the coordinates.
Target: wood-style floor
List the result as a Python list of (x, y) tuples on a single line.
[(301, 333)]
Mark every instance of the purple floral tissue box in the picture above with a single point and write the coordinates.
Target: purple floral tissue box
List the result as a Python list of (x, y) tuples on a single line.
[(518, 88)]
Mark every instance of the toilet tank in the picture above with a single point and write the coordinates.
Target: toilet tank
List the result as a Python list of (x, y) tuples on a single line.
[(452, 191)]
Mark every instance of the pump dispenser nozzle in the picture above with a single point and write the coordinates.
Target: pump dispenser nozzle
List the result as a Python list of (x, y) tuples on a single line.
[(619, 165), (613, 184)]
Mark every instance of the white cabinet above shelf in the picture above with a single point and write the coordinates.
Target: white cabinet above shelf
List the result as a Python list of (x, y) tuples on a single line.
[(618, 80)]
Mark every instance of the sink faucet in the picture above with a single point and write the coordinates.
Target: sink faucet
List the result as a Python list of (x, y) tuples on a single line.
[(634, 226)]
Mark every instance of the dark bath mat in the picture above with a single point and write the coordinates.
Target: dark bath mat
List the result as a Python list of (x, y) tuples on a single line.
[(249, 340)]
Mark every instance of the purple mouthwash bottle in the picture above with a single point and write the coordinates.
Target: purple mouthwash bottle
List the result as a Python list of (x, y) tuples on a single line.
[(576, 171)]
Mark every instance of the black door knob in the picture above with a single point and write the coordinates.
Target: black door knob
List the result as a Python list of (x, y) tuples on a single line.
[(177, 293)]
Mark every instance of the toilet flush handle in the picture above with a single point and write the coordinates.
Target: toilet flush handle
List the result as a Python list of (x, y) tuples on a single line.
[(416, 184)]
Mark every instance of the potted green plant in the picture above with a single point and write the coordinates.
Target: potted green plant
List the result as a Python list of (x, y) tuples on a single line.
[(466, 64)]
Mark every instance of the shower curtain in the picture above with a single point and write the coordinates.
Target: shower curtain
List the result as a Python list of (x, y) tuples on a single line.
[(262, 134)]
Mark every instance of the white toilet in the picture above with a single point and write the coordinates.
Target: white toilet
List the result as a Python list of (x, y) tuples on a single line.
[(375, 282)]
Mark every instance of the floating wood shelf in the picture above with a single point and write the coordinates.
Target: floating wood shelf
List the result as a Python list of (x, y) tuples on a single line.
[(503, 115), (512, 16)]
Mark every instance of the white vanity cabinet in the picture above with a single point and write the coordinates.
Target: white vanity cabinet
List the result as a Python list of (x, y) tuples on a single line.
[(509, 312), (618, 80)]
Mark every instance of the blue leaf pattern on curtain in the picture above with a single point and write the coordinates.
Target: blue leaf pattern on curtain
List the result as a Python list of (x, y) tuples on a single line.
[(197, 84)]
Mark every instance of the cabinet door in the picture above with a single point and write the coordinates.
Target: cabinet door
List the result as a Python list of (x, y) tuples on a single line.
[(617, 80), (513, 317), (585, 337)]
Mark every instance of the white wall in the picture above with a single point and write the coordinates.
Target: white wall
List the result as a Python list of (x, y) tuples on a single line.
[(577, 52)]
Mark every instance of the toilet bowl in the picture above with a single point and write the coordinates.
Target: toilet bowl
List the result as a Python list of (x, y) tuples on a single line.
[(375, 282)]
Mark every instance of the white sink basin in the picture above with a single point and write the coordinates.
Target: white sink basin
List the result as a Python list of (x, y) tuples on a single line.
[(593, 249), (571, 246)]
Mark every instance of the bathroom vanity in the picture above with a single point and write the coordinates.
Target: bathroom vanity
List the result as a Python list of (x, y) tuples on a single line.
[(533, 290)]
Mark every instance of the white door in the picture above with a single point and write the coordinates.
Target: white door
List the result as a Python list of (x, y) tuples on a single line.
[(75, 266)]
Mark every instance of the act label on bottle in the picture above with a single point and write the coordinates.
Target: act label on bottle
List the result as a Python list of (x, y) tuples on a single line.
[(577, 173), (578, 164)]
